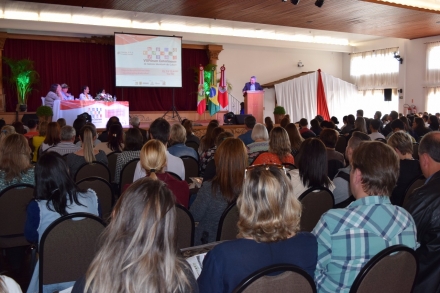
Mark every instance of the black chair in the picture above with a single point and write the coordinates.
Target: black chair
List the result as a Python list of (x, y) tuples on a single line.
[(112, 157), (94, 169), (418, 182), (174, 175), (393, 270), (415, 150), (333, 167), (227, 226), (341, 144), (191, 167), (104, 192), (127, 174), (185, 227), (315, 201), (67, 248), (290, 278), (192, 144)]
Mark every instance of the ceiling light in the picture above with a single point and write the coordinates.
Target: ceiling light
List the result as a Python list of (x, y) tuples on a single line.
[(295, 2), (414, 4), (319, 3)]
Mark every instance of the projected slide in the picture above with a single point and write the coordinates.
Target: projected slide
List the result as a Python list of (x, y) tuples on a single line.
[(148, 61)]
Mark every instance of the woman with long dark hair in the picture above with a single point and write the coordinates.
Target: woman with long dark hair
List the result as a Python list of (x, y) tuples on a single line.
[(419, 127), (208, 140), (56, 195), (433, 123), (115, 139), (312, 167), (132, 148), (279, 149), (294, 137)]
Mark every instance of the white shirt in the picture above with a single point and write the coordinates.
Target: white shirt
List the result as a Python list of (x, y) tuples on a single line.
[(376, 135), (82, 97), (174, 164), (11, 285)]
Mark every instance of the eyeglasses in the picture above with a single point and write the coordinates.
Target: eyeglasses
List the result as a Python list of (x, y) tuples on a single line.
[(264, 167)]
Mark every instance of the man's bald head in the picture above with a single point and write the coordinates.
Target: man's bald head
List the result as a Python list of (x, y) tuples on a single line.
[(430, 144)]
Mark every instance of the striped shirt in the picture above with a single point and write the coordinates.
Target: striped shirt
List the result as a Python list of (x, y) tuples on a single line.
[(348, 238)]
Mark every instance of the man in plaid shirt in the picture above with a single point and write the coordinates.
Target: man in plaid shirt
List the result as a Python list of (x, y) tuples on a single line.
[(348, 238)]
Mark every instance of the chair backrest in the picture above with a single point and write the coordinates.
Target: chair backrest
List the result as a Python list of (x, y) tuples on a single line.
[(104, 192), (415, 150), (227, 226), (393, 270), (127, 174), (315, 201), (185, 227), (94, 169), (43, 101), (419, 181), (13, 202), (291, 279), (333, 167), (193, 144), (174, 175), (341, 144), (191, 167), (112, 157), (67, 248)]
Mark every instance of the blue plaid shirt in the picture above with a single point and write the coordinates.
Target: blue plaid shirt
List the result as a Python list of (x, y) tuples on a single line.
[(348, 238)]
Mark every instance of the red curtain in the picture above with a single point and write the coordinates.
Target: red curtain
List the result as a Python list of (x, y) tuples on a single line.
[(322, 101), (79, 64)]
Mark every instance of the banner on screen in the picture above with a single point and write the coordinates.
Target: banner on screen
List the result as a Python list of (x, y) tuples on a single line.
[(148, 61)]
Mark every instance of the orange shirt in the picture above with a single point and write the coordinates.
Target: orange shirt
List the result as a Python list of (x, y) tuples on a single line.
[(269, 158)]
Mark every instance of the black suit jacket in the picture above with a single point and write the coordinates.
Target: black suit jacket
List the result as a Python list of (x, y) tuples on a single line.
[(247, 87), (424, 207)]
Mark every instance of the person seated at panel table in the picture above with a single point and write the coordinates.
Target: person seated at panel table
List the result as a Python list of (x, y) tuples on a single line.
[(66, 96), (85, 94), (252, 85), (53, 95), (103, 96)]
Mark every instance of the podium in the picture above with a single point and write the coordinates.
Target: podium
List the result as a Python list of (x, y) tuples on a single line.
[(253, 104)]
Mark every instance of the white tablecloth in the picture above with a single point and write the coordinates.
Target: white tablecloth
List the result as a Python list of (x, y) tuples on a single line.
[(99, 110)]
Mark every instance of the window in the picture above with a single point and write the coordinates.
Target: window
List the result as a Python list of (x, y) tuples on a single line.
[(433, 100), (433, 63)]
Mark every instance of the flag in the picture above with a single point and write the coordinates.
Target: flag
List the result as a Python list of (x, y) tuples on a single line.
[(322, 101), (222, 89), (213, 104), (201, 99)]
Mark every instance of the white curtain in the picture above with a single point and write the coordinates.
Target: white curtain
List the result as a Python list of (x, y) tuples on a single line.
[(433, 100), (433, 63), (375, 69), (373, 100)]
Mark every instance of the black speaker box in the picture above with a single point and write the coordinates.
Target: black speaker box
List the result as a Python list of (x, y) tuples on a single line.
[(387, 94), (27, 117)]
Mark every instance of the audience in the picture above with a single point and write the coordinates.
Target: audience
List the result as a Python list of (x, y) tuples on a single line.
[(392, 117), (188, 124), (19, 128), (61, 122), (207, 141), (15, 165), (269, 124), (160, 130), (36, 141), (53, 137), (66, 145), (335, 120), (315, 127), (348, 238), (260, 136), (5, 131), (330, 137), (135, 122), (374, 129), (103, 137), (32, 125), (246, 137), (269, 234), (433, 123), (177, 141), (424, 206), (312, 167), (214, 196), (279, 149), (78, 124), (132, 148), (348, 128), (285, 121), (208, 155), (294, 137), (56, 195), (377, 116), (303, 130), (409, 168), (360, 125), (8, 285), (419, 128), (210, 168), (86, 154), (398, 125), (115, 139)]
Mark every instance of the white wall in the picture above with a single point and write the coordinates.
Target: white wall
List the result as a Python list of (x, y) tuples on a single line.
[(270, 64)]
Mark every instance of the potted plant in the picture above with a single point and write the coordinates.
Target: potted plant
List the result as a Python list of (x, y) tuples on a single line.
[(279, 112), (44, 113), (23, 78)]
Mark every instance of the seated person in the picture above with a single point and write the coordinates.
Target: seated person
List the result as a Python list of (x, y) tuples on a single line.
[(269, 217), (279, 149), (348, 238), (374, 128), (260, 136), (132, 148), (246, 137), (85, 96), (115, 141), (177, 141), (303, 130), (210, 171), (66, 145), (53, 95), (32, 125), (208, 155), (103, 137), (64, 92)]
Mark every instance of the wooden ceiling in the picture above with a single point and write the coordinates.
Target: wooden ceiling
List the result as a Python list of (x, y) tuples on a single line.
[(350, 16)]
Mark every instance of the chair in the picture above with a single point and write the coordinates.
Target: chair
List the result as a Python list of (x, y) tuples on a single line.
[(381, 140), (227, 226), (341, 144), (174, 175), (191, 167), (415, 150), (112, 157), (94, 169), (418, 182), (185, 227), (127, 174), (393, 270), (314, 205), (13, 202), (67, 248), (43, 101), (104, 192), (291, 279), (193, 144), (333, 167)]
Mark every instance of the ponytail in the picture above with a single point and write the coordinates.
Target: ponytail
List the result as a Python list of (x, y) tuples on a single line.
[(87, 135), (152, 174), (153, 157)]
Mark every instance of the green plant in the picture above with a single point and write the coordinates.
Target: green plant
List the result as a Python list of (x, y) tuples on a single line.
[(279, 110), (44, 111), (23, 77)]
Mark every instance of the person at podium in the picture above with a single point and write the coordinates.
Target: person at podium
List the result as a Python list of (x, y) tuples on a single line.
[(253, 85)]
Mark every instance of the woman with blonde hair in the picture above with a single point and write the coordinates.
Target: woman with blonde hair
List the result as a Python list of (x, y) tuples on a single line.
[(5, 131), (294, 137), (214, 196), (153, 160), (87, 153), (138, 252), (15, 163), (279, 149), (260, 136), (269, 217)]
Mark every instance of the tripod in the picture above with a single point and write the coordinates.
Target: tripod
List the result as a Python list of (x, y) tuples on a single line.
[(173, 111)]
